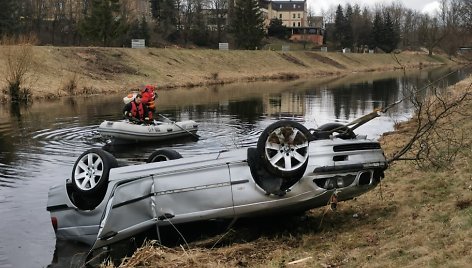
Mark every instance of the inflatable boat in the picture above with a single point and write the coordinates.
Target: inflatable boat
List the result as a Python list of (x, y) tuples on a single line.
[(125, 131)]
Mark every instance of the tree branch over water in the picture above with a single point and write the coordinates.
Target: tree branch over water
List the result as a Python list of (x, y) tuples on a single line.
[(434, 141)]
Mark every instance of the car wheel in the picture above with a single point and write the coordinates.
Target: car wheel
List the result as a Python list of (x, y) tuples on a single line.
[(343, 131), (163, 155), (283, 147), (91, 170)]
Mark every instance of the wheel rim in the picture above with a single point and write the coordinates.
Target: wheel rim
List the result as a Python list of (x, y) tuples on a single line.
[(160, 158), (286, 148), (88, 172)]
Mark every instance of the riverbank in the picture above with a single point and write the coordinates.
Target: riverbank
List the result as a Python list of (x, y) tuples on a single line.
[(419, 216), (63, 71)]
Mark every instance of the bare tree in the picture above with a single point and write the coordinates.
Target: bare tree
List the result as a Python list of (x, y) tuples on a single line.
[(329, 15), (57, 17), (454, 33), (74, 15), (219, 16), (188, 13), (431, 32), (466, 13), (409, 29), (39, 11), (435, 142)]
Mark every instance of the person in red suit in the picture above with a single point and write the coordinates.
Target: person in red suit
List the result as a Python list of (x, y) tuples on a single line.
[(149, 97), (137, 112)]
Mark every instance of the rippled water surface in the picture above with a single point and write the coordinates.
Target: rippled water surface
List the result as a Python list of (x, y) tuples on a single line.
[(40, 142)]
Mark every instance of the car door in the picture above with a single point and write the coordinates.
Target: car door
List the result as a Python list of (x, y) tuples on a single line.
[(200, 192), (249, 199), (129, 211)]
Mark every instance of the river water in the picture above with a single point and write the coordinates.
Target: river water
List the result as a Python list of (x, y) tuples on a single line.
[(40, 142)]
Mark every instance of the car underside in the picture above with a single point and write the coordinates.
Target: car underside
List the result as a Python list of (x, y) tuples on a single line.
[(291, 169)]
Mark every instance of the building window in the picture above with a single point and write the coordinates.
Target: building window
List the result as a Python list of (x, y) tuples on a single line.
[(294, 15), (298, 24), (280, 16), (294, 24), (298, 15)]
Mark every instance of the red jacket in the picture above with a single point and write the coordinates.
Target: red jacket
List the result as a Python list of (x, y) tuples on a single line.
[(138, 111), (148, 97)]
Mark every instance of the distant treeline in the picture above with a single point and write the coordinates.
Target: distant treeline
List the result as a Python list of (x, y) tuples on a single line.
[(388, 27), (205, 23)]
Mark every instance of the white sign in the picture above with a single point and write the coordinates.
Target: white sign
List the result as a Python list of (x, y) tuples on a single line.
[(223, 46), (138, 43)]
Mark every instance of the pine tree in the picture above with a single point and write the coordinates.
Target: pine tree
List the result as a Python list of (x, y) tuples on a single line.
[(199, 32), (348, 40), (104, 22), (385, 34), (377, 32), (139, 29), (339, 23), (247, 24), (277, 29), (391, 36), (165, 13), (365, 31), (343, 27), (144, 27)]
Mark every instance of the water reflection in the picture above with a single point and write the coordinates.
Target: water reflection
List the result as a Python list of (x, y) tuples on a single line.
[(39, 143)]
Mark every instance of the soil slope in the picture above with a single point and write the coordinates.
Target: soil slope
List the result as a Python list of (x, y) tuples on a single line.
[(60, 71)]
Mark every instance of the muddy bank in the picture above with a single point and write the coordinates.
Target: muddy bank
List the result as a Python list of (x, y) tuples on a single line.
[(62, 71)]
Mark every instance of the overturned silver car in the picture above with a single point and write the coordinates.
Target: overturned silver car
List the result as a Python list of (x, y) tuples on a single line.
[(291, 169)]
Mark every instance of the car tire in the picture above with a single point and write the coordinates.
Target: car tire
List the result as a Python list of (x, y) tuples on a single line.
[(91, 171), (283, 148), (163, 155), (343, 133)]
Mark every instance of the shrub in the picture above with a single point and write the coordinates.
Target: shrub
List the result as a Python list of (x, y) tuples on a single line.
[(19, 57)]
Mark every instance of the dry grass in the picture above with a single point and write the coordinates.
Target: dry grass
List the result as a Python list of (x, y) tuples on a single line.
[(119, 69), (414, 218)]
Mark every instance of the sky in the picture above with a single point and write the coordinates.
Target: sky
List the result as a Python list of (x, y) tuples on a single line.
[(423, 6)]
